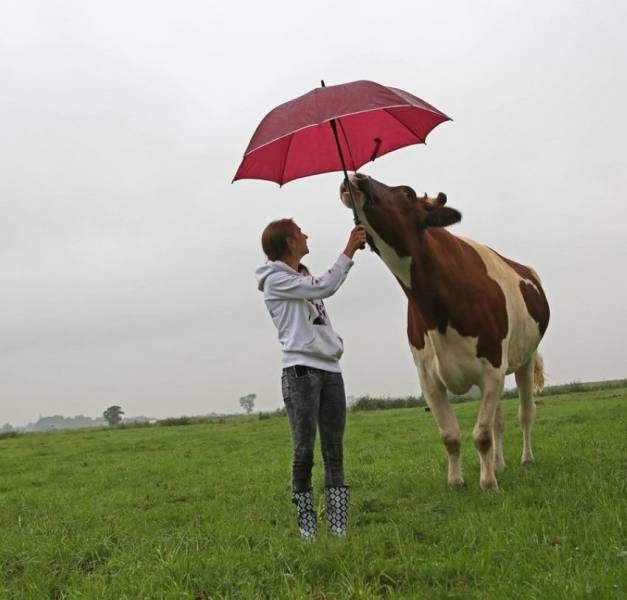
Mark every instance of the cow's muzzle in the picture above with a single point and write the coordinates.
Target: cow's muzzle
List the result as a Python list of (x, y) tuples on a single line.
[(361, 183)]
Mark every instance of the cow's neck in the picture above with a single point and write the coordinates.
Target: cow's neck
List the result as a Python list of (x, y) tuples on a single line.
[(419, 272), (401, 266), (430, 278)]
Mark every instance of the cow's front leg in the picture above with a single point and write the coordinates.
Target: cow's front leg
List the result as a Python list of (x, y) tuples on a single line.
[(436, 398), (491, 390)]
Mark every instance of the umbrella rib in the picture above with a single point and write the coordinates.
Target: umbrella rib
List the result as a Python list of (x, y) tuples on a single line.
[(422, 141), (347, 144), (287, 152)]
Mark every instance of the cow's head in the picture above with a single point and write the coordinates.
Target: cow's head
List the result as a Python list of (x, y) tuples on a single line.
[(396, 214)]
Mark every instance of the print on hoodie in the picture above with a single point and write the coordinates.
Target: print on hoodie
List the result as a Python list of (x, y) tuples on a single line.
[(294, 301)]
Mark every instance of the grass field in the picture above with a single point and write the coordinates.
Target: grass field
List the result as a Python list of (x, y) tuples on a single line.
[(202, 511)]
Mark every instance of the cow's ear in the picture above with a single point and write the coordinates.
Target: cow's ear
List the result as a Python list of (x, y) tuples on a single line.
[(442, 216)]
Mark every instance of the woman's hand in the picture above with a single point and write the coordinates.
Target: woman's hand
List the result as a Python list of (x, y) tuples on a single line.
[(356, 241)]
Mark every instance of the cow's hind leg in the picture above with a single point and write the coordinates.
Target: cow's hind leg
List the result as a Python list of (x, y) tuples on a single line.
[(491, 390), (497, 439), (442, 411), (526, 408)]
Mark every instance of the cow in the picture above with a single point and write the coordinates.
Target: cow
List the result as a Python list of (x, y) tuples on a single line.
[(473, 316)]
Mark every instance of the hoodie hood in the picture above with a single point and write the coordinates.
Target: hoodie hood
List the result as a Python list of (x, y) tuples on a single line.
[(269, 267)]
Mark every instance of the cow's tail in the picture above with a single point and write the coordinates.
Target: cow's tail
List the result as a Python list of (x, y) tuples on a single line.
[(538, 373)]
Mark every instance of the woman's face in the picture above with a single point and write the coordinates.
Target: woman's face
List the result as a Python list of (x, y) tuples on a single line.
[(298, 242)]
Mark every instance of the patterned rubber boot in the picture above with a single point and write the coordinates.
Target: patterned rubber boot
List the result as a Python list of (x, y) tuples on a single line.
[(306, 515), (337, 499)]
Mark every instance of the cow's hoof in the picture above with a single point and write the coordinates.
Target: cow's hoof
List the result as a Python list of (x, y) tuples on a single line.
[(489, 485), (456, 484)]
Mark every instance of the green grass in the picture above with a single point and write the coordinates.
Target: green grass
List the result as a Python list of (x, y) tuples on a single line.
[(202, 511)]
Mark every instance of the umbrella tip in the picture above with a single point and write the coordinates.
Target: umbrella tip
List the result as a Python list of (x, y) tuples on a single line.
[(322, 83)]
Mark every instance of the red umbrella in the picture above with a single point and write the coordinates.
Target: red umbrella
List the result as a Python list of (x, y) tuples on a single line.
[(334, 128)]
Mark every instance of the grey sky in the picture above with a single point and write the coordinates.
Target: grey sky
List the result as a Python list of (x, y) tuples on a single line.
[(127, 257)]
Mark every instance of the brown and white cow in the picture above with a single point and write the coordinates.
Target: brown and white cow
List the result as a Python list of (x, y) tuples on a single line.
[(473, 316)]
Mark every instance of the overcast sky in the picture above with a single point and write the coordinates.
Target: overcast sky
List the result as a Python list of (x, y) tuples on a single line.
[(127, 257)]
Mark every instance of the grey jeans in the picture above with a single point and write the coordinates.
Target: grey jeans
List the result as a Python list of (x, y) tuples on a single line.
[(313, 400)]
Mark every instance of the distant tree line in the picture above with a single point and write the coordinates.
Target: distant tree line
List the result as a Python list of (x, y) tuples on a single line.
[(59, 422), (572, 388), (379, 403)]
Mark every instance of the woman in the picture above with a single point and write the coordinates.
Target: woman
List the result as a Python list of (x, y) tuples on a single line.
[(312, 384)]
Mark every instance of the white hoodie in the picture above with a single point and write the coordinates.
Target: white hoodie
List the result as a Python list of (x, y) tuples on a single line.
[(294, 301)]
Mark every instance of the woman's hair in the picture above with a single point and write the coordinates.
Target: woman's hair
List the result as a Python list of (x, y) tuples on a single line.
[(274, 238)]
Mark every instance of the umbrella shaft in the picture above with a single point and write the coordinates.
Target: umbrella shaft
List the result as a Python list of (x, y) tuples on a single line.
[(348, 185)]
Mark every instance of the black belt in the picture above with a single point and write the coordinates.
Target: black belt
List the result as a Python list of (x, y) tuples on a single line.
[(299, 370)]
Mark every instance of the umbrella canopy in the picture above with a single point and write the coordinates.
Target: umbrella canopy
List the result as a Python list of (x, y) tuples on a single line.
[(296, 139)]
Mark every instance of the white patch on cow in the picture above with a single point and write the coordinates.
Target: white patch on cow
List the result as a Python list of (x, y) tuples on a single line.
[(452, 358), (523, 334), (399, 265)]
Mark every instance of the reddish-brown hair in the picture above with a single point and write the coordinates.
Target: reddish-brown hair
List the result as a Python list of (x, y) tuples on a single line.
[(274, 238)]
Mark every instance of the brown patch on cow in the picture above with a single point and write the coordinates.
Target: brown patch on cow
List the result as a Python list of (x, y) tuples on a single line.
[(532, 293), (451, 287), (416, 327), (536, 304)]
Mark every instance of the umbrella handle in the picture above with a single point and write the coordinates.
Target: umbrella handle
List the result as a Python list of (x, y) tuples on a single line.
[(377, 145)]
